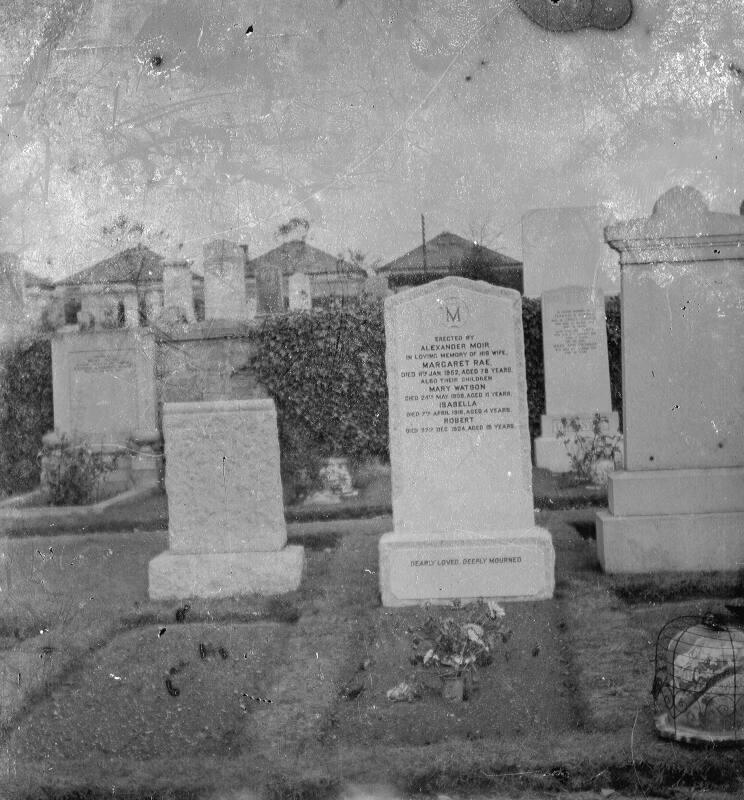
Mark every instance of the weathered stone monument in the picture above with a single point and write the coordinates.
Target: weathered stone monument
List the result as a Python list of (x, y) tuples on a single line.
[(104, 394), (679, 503), (226, 526), (577, 370), (178, 292), (300, 292), (103, 385), (224, 281), (460, 450), (269, 289)]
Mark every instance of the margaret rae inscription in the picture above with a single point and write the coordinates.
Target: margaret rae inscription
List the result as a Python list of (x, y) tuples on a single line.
[(459, 449)]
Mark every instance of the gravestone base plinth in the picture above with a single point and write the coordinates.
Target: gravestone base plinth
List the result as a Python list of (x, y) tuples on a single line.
[(425, 568), (176, 576), (673, 520)]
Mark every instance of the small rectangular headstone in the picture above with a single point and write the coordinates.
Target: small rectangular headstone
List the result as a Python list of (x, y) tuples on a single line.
[(104, 385), (460, 449), (577, 370), (226, 526)]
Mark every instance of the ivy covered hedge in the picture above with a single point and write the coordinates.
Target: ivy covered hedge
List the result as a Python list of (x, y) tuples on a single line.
[(26, 410), (326, 371)]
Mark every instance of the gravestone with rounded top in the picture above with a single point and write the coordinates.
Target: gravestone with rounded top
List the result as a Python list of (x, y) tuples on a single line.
[(577, 371), (460, 450), (679, 503), (226, 528)]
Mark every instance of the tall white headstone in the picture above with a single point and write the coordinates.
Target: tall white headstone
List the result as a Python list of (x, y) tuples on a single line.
[(460, 450), (679, 504), (577, 370)]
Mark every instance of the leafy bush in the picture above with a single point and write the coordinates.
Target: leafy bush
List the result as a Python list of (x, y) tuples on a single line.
[(70, 473), (586, 448), (26, 411), (534, 365), (614, 341), (325, 370)]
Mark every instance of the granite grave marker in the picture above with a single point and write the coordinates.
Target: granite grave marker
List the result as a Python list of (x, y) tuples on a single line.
[(460, 450)]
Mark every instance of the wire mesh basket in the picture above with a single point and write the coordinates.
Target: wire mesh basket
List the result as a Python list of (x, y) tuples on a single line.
[(699, 680)]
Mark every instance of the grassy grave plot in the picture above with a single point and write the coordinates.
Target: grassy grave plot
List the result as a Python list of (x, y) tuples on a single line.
[(565, 705), (509, 697)]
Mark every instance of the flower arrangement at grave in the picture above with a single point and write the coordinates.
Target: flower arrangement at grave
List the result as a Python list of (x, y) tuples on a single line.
[(456, 648), (592, 452)]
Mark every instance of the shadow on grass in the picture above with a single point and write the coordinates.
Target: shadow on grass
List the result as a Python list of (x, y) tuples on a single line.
[(672, 587), (587, 530)]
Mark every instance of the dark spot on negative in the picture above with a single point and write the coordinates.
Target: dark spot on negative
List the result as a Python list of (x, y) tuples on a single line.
[(468, 77), (156, 61)]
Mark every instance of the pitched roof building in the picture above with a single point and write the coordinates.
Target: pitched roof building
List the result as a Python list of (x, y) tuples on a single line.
[(450, 254), (124, 289), (330, 276)]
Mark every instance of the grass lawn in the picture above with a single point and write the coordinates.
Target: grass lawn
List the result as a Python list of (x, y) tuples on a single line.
[(102, 688)]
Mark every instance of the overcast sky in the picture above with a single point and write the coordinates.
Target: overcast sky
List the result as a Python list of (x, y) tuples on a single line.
[(358, 115)]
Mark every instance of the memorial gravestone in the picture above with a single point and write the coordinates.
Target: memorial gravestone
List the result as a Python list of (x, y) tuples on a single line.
[(226, 528), (460, 450), (679, 503), (103, 386), (577, 370), (269, 289)]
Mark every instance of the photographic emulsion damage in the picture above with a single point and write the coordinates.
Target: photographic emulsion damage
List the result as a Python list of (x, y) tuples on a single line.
[(371, 399)]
